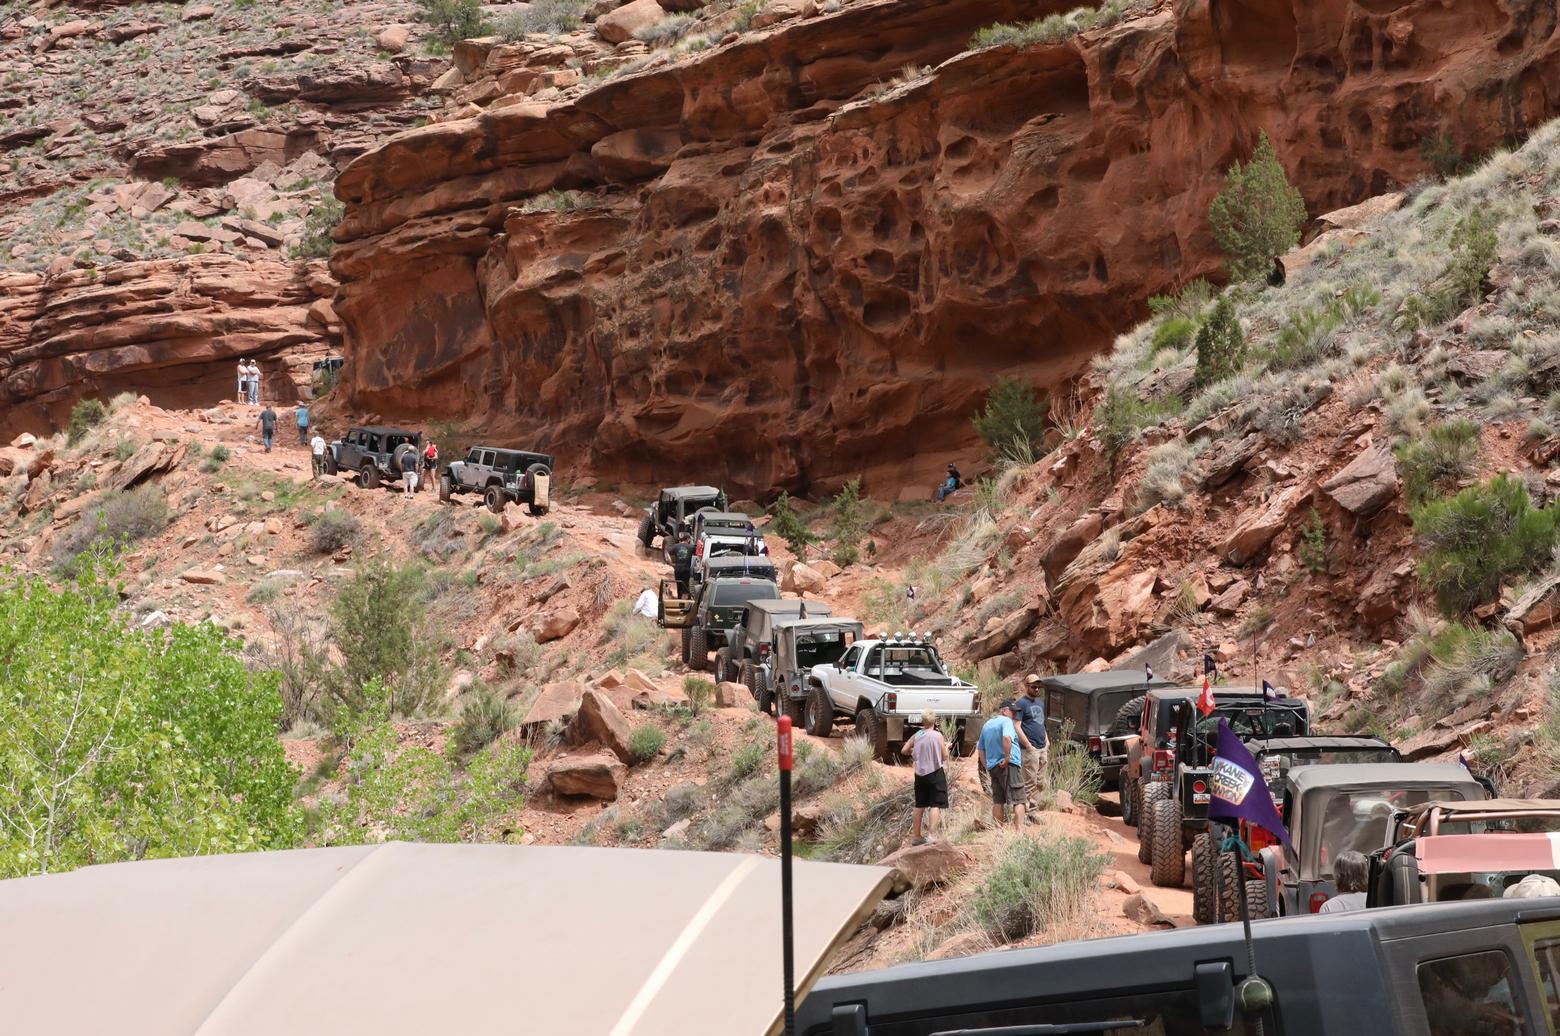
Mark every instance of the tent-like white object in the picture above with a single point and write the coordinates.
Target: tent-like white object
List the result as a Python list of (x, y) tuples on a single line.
[(427, 939)]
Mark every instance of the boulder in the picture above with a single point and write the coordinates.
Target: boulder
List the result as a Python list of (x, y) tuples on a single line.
[(1070, 544), (1141, 909), (1387, 594), (1226, 459), (825, 568), (1111, 610), (556, 702), (202, 576), (197, 13), (620, 25), (637, 153), (927, 866), (1366, 484), (556, 624), (25, 441), (598, 776), (1126, 883), (730, 695), (802, 579), (1229, 602), (1535, 610), (392, 38), (781, 10), (1478, 366), (1007, 633), (600, 721), (965, 944), (1257, 529), (150, 459)]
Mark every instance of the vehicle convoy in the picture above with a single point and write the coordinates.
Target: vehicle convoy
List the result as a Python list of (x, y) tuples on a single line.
[(731, 566), (674, 509), (883, 685), (711, 616), (502, 476), (747, 656), (1486, 968), (1087, 703), (1213, 898), (1452, 850), (372, 453), (1168, 766), (1332, 809)]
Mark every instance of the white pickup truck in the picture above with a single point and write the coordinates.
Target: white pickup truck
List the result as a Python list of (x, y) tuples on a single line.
[(883, 686)]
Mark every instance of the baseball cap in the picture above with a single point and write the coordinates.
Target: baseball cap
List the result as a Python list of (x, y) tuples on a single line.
[(1010, 705), (1032, 679)]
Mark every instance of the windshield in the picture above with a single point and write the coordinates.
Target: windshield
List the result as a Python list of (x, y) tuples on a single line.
[(722, 546), (1357, 819), (741, 591)]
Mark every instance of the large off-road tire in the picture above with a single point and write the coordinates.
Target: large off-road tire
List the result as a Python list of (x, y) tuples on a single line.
[(749, 676), (1256, 898), (1128, 794), (1147, 793), (647, 531), (1167, 852), (534, 511), (870, 725), (368, 476), (699, 648), (687, 647), (331, 467), (796, 708), (1129, 718), (446, 488), (1203, 901), (820, 713), (493, 497), (722, 665)]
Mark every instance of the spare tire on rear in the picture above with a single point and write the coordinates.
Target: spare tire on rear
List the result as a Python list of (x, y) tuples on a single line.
[(401, 451), (1129, 718)]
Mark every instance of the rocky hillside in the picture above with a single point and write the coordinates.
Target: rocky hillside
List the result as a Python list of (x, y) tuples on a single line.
[(823, 239)]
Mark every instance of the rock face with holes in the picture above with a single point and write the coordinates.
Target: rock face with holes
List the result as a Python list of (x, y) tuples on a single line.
[(789, 243)]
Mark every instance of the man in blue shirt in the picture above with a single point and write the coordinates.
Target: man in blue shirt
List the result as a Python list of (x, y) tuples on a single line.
[(1030, 714), (999, 754)]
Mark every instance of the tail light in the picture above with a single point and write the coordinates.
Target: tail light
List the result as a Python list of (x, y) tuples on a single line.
[(1260, 838), (976, 704), (698, 550), (1317, 899), (1199, 787), (1164, 759), (763, 651), (1095, 744), (891, 702)]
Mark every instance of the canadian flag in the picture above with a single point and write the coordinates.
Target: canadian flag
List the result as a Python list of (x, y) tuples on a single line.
[(1205, 699)]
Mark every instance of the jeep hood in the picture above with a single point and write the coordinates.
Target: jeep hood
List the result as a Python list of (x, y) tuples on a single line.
[(409, 938)]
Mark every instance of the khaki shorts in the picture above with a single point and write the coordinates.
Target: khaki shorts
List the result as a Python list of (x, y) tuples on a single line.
[(1007, 785)]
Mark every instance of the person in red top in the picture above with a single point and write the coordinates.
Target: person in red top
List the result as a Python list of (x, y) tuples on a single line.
[(430, 460)]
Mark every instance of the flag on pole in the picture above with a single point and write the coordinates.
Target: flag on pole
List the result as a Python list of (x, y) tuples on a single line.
[(1209, 669), (1205, 699), (1238, 791), (1268, 694), (1148, 673), (1463, 761)]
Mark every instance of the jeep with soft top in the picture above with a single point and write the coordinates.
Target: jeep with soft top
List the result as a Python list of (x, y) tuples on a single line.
[(372, 453), (1087, 703), (883, 685), (711, 616), (763, 652), (501, 476), (673, 512)]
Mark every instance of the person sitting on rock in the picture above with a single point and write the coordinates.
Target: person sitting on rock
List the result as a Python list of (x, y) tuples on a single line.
[(951, 483)]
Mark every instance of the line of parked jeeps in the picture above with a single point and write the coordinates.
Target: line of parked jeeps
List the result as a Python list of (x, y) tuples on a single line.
[(374, 454)]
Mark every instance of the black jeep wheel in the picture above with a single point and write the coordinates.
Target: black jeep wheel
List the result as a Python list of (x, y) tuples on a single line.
[(796, 708), (331, 467), (723, 665), (493, 497), (647, 531), (750, 677), (870, 726), (446, 489), (368, 477), (1256, 899), (820, 713), (687, 647), (1127, 792), (1129, 718), (1202, 879), (1167, 851), (698, 648), (1148, 793)]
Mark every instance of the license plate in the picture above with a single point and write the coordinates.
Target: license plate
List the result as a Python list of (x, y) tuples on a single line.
[(1199, 798)]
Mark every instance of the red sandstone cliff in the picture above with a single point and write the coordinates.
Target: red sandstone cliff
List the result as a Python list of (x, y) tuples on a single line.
[(790, 274)]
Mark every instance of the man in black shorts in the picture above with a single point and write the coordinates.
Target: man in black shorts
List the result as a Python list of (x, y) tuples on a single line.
[(1000, 753), (930, 752)]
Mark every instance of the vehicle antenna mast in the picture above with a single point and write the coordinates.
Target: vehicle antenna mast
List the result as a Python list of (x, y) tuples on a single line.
[(788, 965)]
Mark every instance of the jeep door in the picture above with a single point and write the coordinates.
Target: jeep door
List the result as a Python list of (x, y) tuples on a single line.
[(351, 453), (839, 678)]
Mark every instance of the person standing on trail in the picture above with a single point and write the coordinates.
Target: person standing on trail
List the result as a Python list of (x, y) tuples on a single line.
[(929, 750), (302, 413), (254, 383), (999, 754), (317, 448), (1031, 728), (243, 381), (267, 427), (430, 461), (682, 562), (408, 472), (1351, 872)]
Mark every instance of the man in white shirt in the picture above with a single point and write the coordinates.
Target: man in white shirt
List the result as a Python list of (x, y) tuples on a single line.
[(317, 448), (648, 604)]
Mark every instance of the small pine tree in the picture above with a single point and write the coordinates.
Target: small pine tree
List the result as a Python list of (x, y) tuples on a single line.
[(1313, 543), (1258, 215), (850, 524), (1477, 539), (1013, 419), (1221, 346), (788, 525)]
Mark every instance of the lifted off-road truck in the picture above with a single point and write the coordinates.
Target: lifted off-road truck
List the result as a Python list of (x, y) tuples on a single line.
[(711, 617), (372, 453), (673, 512), (501, 476), (883, 686), (779, 643)]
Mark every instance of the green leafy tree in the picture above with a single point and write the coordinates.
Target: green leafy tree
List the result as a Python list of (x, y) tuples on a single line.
[(1221, 346), (1013, 419), (120, 744), (850, 524), (790, 527), (1258, 215), (453, 20), (86, 415), (1480, 537), (390, 651)]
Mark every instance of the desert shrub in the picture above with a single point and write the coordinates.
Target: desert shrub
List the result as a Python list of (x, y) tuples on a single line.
[(1188, 303), (666, 31), (1221, 345), (680, 802), (746, 761), (1056, 28), (552, 17), (700, 693), (484, 718), (318, 226), (389, 648), (1013, 419), (1258, 215), (1442, 155), (789, 526), (120, 744), (1304, 337), (1313, 543), (1461, 284), (213, 463), (631, 635), (1478, 538), (849, 524), (816, 770), (120, 520), (646, 742), (1038, 883), (1174, 334), (1122, 415), (1070, 768), (1436, 461), (124, 449), (333, 530), (1161, 483), (453, 20), (1466, 661), (86, 415)]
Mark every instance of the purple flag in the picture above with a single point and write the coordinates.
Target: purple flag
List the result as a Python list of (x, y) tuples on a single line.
[(1148, 673), (1209, 669), (1268, 694), (1239, 792)]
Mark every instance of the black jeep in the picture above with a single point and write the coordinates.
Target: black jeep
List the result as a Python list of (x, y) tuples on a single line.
[(372, 453), (501, 476), (719, 608), (1089, 702), (673, 512)]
